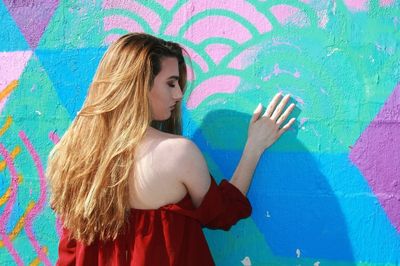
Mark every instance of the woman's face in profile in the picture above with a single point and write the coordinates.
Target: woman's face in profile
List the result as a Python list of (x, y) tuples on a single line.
[(166, 91)]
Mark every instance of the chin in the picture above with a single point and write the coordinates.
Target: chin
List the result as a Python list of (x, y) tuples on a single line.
[(161, 119)]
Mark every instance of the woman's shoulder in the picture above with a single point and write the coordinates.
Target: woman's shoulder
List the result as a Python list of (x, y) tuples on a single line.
[(174, 145), (175, 152)]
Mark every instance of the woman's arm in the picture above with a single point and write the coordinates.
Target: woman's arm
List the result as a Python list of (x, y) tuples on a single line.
[(263, 132)]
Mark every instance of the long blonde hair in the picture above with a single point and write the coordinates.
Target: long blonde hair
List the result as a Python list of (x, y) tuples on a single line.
[(88, 168)]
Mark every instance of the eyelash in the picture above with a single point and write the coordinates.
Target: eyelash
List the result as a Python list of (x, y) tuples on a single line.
[(171, 85)]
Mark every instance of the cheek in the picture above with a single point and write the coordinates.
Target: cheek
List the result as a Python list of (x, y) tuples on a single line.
[(159, 105)]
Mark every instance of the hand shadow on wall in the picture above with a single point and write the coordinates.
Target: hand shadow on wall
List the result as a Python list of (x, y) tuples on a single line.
[(294, 206)]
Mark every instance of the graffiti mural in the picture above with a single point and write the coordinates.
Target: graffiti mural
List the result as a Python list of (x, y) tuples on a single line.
[(327, 193)]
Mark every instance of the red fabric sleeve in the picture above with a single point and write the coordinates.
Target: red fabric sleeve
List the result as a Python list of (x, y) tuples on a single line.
[(223, 206), (66, 250)]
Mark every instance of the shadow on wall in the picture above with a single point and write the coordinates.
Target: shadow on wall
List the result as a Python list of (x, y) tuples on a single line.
[(294, 206)]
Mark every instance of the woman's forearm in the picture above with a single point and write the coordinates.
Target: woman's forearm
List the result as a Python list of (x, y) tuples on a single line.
[(245, 169)]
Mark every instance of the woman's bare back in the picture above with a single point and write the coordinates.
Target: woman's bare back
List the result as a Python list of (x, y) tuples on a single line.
[(155, 182)]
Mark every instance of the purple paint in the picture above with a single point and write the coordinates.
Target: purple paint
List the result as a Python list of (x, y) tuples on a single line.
[(377, 155), (31, 17)]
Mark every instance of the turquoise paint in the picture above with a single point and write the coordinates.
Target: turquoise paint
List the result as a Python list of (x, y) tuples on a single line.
[(347, 69)]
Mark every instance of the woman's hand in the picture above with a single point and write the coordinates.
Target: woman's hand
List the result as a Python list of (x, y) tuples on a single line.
[(265, 130)]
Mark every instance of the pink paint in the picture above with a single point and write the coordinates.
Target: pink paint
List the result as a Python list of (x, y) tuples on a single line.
[(241, 8), (288, 14), (356, 5), (167, 4), (59, 226), (111, 38), (302, 121), (385, 3), (3, 103), (217, 26), (218, 84), (9, 205), (322, 18), (277, 71), (217, 51), (121, 22), (54, 137), (245, 58), (190, 73), (299, 100), (41, 202), (194, 56), (11, 66), (147, 14), (376, 154)]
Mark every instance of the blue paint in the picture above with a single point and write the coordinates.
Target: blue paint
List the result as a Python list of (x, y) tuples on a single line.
[(317, 203), (71, 72), (11, 38)]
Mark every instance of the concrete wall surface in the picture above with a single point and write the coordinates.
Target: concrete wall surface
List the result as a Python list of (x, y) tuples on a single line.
[(326, 193)]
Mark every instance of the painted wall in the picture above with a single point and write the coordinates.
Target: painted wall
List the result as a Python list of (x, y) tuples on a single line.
[(327, 193)]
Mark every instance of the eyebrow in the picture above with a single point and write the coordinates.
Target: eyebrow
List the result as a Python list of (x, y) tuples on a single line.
[(174, 77)]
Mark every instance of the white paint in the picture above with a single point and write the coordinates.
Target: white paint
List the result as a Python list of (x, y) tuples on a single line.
[(298, 253), (332, 51), (246, 261)]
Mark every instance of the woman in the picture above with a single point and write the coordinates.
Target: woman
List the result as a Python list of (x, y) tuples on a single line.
[(128, 188)]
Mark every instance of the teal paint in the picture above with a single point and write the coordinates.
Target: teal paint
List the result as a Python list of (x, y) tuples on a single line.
[(339, 60)]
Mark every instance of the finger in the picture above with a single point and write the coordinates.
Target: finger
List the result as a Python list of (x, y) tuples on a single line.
[(272, 105), (256, 113), (280, 107), (287, 126), (285, 115)]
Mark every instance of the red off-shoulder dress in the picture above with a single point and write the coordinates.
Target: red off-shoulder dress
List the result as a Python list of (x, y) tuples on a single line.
[(170, 235)]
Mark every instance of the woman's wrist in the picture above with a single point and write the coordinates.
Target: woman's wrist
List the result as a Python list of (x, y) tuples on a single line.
[(253, 151)]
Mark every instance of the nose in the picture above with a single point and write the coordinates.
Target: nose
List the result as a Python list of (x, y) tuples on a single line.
[(177, 95)]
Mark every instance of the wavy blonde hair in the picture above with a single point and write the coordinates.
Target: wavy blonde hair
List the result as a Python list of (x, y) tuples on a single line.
[(88, 169)]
